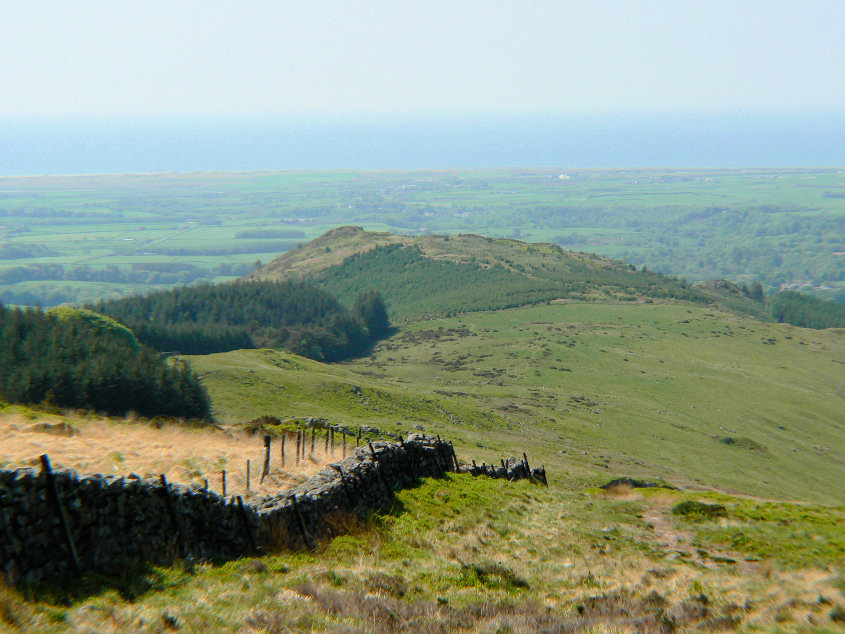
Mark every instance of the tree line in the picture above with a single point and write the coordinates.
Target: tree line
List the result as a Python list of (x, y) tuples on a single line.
[(806, 311), (294, 315), (416, 285), (75, 359)]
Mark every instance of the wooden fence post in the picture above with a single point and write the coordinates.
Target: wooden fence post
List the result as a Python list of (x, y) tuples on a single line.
[(266, 469), (344, 443), (382, 477), (223, 481), (339, 469), (306, 538), (313, 437), (298, 440), (247, 474), (405, 462), (284, 435), (326, 450), (180, 544), (247, 527), (54, 496)]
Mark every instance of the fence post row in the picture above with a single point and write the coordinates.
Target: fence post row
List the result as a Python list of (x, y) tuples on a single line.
[(54, 496)]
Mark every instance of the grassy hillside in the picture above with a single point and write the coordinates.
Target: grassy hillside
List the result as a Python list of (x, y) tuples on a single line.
[(726, 407), (445, 275), (480, 555), (696, 396), (189, 455)]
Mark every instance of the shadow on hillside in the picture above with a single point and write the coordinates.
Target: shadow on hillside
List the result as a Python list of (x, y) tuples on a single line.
[(372, 343), (396, 507), (131, 580)]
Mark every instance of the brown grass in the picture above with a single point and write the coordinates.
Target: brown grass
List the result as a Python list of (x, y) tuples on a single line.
[(185, 455)]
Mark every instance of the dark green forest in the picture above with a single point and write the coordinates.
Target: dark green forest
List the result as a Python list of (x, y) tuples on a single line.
[(294, 315), (806, 311), (416, 285), (71, 360)]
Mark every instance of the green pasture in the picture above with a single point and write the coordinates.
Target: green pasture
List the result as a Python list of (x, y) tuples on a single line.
[(779, 226), (692, 395)]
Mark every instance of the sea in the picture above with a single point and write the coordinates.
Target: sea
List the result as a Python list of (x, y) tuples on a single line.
[(114, 145)]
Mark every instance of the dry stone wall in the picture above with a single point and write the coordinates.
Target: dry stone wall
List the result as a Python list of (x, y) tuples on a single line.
[(102, 521)]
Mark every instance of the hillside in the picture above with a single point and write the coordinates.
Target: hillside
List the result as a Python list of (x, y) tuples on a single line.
[(443, 275), (744, 416), (185, 454), (82, 238), (592, 368), (587, 388)]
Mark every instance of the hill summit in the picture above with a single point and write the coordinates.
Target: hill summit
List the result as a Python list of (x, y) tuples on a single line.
[(442, 275)]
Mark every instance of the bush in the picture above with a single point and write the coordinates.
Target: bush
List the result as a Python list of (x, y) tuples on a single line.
[(699, 511)]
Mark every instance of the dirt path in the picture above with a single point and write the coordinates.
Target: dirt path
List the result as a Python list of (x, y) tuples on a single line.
[(679, 542)]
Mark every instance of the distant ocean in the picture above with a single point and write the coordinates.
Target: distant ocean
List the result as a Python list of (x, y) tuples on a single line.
[(86, 146)]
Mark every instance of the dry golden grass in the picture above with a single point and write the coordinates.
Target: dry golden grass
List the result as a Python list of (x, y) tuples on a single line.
[(185, 455)]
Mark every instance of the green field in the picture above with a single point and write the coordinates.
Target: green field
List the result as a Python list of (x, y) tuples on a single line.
[(70, 239), (738, 413), (685, 393)]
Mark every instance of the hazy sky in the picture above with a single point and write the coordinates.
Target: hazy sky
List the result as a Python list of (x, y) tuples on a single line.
[(177, 57)]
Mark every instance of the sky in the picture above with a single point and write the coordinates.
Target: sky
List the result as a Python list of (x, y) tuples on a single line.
[(322, 60)]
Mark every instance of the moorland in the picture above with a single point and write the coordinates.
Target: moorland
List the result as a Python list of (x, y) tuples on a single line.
[(596, 368)]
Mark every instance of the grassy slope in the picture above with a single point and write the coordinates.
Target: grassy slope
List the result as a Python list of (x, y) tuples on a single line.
[(463, 273), (649, 389), (334, 246), (482, 555), (646, 389)]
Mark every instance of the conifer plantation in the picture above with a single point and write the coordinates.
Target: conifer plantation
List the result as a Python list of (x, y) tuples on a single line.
[(294, 315), (70, 359), (806, 311)]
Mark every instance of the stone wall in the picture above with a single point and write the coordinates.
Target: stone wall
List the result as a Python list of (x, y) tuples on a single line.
[(112, 519), (511, 469)]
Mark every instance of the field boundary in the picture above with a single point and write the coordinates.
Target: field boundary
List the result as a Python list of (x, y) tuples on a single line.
[(55, 523)]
